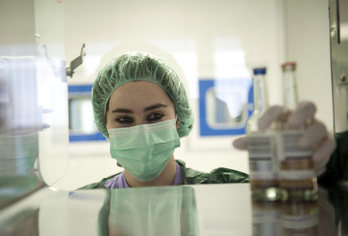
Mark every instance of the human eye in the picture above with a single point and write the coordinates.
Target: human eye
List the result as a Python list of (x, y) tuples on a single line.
[(155, 117), (124, 120)]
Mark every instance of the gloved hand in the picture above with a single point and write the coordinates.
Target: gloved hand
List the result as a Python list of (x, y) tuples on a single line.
[(316, 134)]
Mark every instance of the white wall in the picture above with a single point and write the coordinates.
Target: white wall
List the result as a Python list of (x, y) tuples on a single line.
[(17, 38), (191, 32), (308, 43)]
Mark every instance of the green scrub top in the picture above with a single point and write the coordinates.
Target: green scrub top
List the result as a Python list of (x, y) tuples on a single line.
[(191, 176)]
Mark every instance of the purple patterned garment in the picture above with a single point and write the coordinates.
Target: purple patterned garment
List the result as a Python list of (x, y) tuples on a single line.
[(119, 181)]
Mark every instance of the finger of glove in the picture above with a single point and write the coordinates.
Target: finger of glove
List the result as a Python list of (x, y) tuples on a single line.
[(314, 134), (270, 115), (240, 143), (322, 155), (305, 111)]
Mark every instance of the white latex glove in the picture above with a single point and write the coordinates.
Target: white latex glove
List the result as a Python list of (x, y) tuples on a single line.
[(316, 134)]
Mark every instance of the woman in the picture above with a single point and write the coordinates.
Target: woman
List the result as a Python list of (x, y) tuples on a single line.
[(140, 105)]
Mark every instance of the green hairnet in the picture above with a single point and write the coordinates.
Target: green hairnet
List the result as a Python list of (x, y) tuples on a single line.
[(135, 66)]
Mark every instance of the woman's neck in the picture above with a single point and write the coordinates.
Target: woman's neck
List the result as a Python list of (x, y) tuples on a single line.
[(166, 177)]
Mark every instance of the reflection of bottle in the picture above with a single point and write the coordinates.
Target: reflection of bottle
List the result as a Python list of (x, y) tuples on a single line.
[(300, 218), (297, 173), (266, 217), (261, 146)]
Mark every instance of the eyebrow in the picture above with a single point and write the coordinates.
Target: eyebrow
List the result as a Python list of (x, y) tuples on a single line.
[(149, 108), (155, 106)]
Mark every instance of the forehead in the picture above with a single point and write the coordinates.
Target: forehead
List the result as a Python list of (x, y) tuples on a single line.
[(138, 92)]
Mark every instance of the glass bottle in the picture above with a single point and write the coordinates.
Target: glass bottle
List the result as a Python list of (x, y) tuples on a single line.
[(266, 217), (297, 174), (261, 146)]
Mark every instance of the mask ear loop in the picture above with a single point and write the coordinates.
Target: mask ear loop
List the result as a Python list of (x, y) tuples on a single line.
[(118, 164)]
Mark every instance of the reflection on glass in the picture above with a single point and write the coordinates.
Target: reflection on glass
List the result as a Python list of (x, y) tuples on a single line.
[(227, 104), (17, 173), (229, 58), (20, 123), (300, 218), (33, 125), (222, 114), (149, 211), (294, 217)]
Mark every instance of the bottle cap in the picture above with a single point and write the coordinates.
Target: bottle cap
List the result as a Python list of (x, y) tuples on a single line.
[(289, 65), (260, 71)]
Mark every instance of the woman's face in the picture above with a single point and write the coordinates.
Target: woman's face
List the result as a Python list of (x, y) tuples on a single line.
[(138, 102)]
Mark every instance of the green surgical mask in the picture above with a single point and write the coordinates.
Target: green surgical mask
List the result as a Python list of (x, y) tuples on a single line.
[(144, 150)]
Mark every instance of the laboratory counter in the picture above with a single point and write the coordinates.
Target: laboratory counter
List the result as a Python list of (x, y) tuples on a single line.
[(216, 209)]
